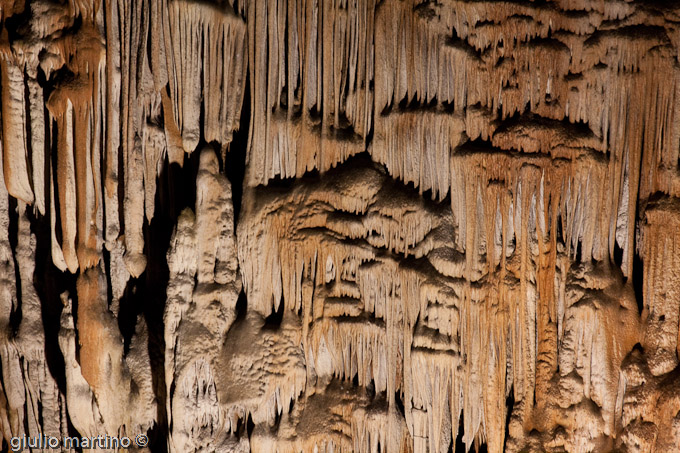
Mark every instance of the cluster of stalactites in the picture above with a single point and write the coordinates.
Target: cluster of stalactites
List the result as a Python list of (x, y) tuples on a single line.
[(311, 68), (125, 107), (87, 122), (553, 84), (516, 299)]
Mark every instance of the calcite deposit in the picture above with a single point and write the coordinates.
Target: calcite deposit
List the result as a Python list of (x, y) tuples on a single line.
[(341, 225)]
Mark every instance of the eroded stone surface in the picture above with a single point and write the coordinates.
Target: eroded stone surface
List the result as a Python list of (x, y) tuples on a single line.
[(372, 225)]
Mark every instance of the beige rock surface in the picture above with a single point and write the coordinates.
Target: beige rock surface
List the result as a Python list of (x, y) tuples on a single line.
[(343, 225)]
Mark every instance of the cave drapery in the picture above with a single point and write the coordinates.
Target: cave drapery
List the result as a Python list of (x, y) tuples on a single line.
[(341, 225)]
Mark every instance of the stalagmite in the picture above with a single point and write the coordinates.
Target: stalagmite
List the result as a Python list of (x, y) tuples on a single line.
[(43, 401), (344, 225), (201, 307)]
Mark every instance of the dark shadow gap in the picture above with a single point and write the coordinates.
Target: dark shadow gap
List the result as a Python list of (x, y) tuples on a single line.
[(15, 315), (175, 191), (457, 444), (235, 160), (509, 405), (273, 321), (241, 307), (638, 280)]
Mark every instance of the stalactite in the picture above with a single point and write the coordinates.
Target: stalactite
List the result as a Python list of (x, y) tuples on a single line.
[(344, 225), (206, 55)]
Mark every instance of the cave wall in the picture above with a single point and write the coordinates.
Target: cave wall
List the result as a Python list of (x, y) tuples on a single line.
[(341, 225)]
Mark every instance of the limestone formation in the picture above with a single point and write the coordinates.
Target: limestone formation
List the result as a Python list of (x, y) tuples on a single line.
[(340, 225)]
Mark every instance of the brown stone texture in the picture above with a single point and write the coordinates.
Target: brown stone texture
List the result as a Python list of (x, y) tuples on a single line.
[(341, 225)]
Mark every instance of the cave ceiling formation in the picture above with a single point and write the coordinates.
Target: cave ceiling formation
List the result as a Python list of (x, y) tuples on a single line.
[(341, 225)]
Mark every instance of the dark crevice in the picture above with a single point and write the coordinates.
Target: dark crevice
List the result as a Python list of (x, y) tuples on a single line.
[(130, 305), (509, 405), (638, 32), (48, 198), (250, 426), (559, 235), (146, 295), (273, 321), (638, 277), (106, 262), (235, 160), (400, 404), (370, 389), (576, 130), (578, 257), (49, 283), (480, 447), (426, 10), (121, 187), (458, 444), (284, 183), (638, 264), (618, 254), (241, 307), (18, 24), (459, 43), (13, 232), (171, 199)]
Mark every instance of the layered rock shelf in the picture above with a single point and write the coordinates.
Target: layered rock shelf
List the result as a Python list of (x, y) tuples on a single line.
[(341, 225)]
